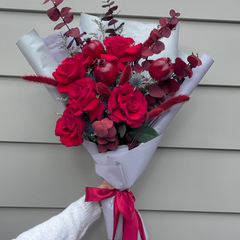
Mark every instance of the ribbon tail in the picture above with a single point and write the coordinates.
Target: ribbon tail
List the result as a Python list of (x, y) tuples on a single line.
[(140, 226), (116, 217), (130, 229)]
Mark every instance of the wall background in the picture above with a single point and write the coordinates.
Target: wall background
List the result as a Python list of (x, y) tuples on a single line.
[(190, 190)]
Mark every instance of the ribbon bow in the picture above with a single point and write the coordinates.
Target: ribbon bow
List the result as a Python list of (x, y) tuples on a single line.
[(124, 204)]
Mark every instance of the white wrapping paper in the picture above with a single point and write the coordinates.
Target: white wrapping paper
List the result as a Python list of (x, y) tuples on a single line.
[(41, 60), (139, 31), (121, 168)]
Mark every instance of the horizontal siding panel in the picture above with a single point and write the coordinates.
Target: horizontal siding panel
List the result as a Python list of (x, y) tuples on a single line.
[(209, 120), (14, 221), (199, 37), (27, 112), (213, 9), (39, 175), (206, 121), (15, 64), (176, 179), (211, 38), (189, 226), (164, 225), (190, 180)]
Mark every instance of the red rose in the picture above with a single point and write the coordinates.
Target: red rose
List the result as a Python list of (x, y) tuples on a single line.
[(83, 95), (69, 71), (121, 50), (70, 128), (127, 104)]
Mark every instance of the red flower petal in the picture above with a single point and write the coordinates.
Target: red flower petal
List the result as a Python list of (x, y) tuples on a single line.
[(112, 146), (111, 132), (69, 142), (107, 123), (110, 58), (102, 140), (111, 139), (101, 131), (95, 124), (64, 88), (102, 148), (117, 113)]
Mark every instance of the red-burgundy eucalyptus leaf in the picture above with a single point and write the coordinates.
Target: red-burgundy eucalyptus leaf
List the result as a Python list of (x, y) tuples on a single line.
[(153, 36), (113, 21), (74, 32), (68, 18), (150, 101), (147, 52), (109, 12), (57, 2), (53, 14), (120, 25), (156, 91), (107, 18), (46, 1), (174, 85), (65, 11), (157, 47), (104, 6), (166, 32), (70, 43), (113, 8), (59, 26), (174, 20), (110, 30), (163, 22), (172, 13), (146, 64), (137, 68), (156, 32)]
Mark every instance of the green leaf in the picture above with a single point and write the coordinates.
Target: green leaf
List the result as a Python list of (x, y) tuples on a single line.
[(146, 134), (122, 130)]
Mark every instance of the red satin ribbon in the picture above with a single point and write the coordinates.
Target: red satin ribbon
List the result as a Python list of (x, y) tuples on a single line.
[(124, 204)]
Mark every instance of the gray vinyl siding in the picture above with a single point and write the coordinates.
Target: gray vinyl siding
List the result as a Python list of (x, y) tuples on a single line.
[(190, 189)]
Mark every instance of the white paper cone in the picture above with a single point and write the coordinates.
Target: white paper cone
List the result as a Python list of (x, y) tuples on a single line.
[(42, 62)]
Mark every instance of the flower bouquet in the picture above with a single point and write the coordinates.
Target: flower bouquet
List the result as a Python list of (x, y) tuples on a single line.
[(116, 94)]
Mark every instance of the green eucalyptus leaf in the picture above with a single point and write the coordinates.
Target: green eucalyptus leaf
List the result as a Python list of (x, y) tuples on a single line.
[(147, 133), (122, 130)]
